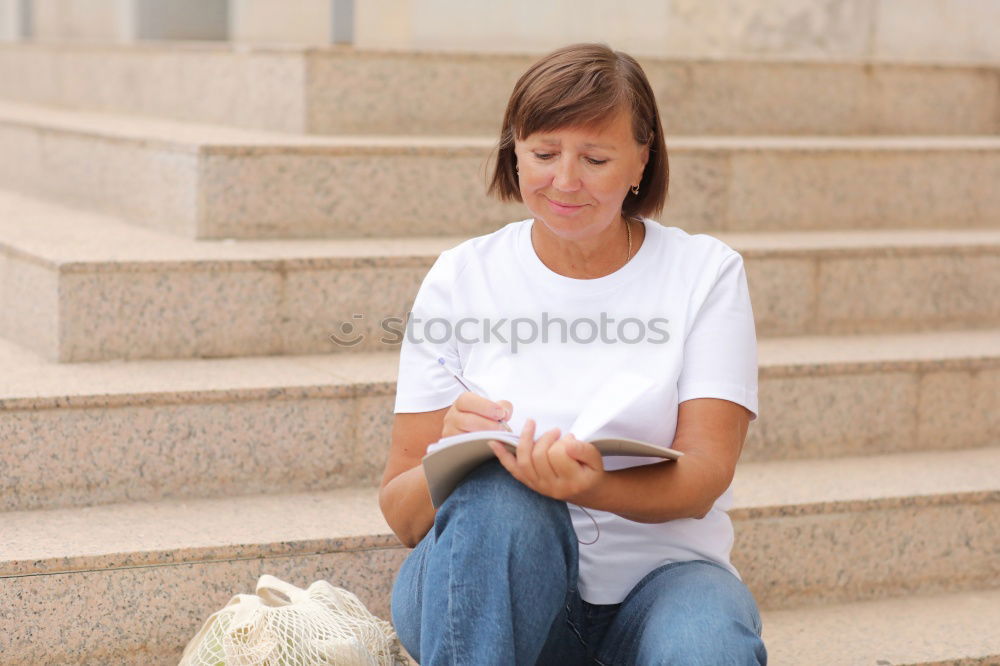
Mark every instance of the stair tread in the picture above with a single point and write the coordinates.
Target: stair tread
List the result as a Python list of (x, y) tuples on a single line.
[(62, 235), (191, 136), (351, 51), (121, 535), (79, 240), (33, 382), (927, 629), (183, 530), (797, 487), (812, 354), (194, 136)]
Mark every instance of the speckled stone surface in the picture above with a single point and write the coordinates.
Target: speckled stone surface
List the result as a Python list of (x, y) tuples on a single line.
[(830, 396), (125, 292), (853, 282), (951, 289), (334, 90), (721, 184), (212, 427), (151, 186), (954, 629), (812, 97), (807, 532), (219, 182), (196, 81), (847, 183), (216, 182), (868, 527), (114, 432), (146, 615), (29, 293), (177, 531), (959, 408), (297, 194), (102, 583)]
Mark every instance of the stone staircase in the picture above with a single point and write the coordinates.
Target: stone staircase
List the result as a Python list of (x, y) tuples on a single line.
[(182, 227)]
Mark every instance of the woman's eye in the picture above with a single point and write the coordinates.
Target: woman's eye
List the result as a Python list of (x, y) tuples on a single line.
[(596, 162), (543, 156)]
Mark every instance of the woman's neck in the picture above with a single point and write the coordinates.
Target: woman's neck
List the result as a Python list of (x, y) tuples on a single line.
[(590, 258)]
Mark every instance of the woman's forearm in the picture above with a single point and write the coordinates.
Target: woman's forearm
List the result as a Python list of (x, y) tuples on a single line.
[(660, 492), (406, 505)]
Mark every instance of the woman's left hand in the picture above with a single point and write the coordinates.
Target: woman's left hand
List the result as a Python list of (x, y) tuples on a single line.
[(563, 468)]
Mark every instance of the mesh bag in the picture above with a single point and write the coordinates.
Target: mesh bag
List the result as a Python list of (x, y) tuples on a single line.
[(284, 625)]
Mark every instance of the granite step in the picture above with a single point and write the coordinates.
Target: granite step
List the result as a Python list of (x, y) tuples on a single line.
[(86, 287), (865, 527), (98, 433), (343, 90), (131, 584), (924, 630), (206, 181), (808, 533)]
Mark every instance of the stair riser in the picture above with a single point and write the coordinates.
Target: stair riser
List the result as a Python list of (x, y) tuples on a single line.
[(291, 440), (264, 91), (880, 408), (182, 310), (146, 615), (285, 191), (784, 560), (850, 555), (401, 93), (202, 448), (151, 184)]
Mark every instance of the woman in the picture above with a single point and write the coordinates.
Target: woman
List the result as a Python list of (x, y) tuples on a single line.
[(553, 555)]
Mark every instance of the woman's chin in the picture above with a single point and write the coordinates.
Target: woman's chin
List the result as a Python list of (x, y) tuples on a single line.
[(568, 228)]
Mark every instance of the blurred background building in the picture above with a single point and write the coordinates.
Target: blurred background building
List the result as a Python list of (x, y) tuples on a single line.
[(916, 30)]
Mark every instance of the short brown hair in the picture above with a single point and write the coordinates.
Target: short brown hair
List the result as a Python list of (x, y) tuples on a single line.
[(578, 86)]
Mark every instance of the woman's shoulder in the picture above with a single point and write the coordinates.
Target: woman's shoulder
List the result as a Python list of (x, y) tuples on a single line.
[(691, 248)]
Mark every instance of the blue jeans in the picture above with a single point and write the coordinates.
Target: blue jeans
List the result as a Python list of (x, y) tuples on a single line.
[(495, 582)]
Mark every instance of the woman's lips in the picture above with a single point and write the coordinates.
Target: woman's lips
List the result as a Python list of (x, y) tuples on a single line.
[(565, 209)]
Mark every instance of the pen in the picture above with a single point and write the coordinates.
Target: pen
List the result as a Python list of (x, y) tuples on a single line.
[(459, 379)]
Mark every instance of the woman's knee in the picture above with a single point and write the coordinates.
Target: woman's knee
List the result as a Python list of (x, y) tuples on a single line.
[(690, 613)]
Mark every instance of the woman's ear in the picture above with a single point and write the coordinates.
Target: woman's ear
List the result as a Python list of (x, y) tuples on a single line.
[(644, 159)]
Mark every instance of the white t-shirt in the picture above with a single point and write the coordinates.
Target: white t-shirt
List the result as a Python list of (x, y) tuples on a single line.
[(678, 313)]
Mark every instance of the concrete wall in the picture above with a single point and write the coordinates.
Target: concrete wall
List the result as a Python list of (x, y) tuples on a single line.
[(935, 30), (83, 20), (182, 19), (15, 20), (296, 21), (292, 21), (128, 20), (938, 30), (903, 30)]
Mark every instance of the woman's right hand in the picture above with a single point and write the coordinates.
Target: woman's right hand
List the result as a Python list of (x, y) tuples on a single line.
[(472, 412)]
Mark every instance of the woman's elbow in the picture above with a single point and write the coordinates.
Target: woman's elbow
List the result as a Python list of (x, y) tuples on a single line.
[(404, 524), (703, 510), (408, 540)]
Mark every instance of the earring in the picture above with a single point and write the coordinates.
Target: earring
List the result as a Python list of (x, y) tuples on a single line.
[(635, 189)]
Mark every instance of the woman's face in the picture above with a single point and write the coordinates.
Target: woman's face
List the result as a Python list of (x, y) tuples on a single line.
[(574, 179)]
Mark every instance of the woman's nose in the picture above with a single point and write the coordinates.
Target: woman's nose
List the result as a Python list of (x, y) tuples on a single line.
[(566, 177)]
